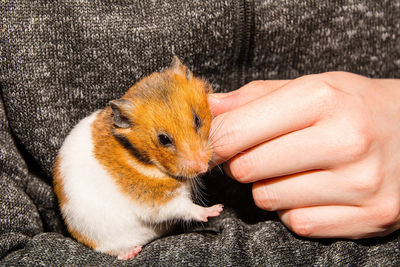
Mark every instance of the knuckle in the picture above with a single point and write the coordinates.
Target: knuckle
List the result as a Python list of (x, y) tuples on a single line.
[(370, 180), (387, 212), (357, 142), (256, 83), (368, 184), (322, 95), (310, 78), (300, 225), (256, 88), (265, 199), (241, 168), (357, 133)]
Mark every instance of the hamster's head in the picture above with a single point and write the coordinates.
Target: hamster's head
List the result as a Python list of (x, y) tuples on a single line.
[(165, 121)]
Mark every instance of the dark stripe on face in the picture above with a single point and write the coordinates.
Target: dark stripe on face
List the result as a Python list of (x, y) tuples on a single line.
[(136, 153)]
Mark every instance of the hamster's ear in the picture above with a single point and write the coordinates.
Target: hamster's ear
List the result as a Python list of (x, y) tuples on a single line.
[(177, 67), (121, 109)]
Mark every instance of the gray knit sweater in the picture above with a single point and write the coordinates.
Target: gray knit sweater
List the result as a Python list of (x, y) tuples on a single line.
[(61, 60)]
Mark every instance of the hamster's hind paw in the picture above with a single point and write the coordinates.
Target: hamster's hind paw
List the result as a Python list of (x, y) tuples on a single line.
[(130, 254)]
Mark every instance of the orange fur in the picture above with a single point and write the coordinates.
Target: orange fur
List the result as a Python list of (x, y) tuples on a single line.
[(114, 158), (127, 143), (171, 113), (58, 184), (81, 238), (160, 102)]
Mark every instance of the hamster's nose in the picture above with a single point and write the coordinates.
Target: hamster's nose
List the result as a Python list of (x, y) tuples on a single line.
[(198, 165), (196, 160)]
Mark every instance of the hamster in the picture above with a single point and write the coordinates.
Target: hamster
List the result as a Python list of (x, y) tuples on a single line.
[(126, 170)]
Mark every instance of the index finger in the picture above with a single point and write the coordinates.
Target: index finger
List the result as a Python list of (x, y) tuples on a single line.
[(223, 102), (284, 110)]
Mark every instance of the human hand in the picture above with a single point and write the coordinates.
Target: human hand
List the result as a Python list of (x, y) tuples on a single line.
[(323, 150)]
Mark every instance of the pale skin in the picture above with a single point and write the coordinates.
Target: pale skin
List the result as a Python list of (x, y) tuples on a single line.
[(322, 150)]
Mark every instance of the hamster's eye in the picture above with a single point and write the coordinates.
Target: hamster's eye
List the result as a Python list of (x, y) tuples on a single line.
[(164, 140), (197, 122)]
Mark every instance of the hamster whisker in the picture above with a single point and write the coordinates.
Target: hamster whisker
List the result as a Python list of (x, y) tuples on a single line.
[(223, 158), (215, 146), (218, 166), (198, 190), (211, 134), (213, 142)]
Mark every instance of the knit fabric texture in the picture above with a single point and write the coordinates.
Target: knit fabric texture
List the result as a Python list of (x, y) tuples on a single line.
[(62, 60)]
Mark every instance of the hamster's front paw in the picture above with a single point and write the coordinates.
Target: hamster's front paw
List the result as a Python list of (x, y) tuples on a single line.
[(213, 211)]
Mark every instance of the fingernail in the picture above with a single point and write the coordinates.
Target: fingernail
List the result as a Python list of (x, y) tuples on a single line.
[(219, 95), (213, 100)]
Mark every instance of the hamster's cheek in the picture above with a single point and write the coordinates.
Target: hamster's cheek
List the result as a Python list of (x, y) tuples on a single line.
[(169, 163)]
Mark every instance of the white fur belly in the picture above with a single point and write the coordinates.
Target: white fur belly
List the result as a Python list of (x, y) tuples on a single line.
[(95, 207)]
